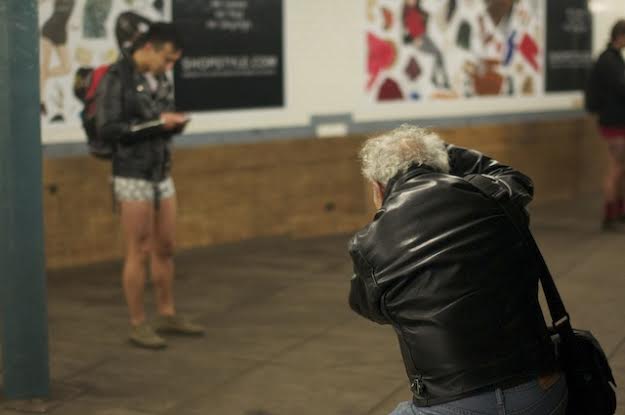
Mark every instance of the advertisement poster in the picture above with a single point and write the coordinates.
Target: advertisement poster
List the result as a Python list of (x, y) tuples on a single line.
[(233, 54), (569, 44), (79, 35), (423, 50)]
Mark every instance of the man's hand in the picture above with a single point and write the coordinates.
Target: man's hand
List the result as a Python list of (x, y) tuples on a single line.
[(173, 120)]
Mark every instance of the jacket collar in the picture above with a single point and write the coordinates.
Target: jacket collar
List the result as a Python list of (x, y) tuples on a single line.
[(403, 176), (614, 50)]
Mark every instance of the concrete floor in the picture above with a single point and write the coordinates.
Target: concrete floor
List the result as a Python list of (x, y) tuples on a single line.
[(281, 339)]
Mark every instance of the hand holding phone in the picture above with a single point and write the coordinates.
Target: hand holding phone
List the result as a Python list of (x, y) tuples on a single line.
[(173, 120)]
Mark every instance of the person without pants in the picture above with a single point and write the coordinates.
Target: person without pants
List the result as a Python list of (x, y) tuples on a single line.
[(135, 111), (610, 84)]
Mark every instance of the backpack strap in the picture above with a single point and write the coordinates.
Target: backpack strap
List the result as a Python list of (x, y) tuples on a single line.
[(96, 76), (490, 187)]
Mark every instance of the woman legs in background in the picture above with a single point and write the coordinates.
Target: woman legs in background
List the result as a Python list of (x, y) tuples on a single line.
[(614, 181)]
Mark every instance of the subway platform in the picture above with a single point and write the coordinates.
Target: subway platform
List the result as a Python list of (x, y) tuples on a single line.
[(281, 339)]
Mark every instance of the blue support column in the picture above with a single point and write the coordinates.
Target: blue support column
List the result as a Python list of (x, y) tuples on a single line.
[(22, 272)]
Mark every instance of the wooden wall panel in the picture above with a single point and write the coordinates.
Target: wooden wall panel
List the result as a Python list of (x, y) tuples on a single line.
[(299, 187)]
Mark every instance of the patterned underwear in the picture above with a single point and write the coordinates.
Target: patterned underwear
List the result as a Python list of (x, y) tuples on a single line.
[(127, 188)]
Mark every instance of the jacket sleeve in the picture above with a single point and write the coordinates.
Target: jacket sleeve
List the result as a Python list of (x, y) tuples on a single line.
[(612, 75), (111, 124), (464, 162), (365, 296)]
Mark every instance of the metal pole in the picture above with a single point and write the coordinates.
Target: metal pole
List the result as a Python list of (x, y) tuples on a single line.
[(22, 271)]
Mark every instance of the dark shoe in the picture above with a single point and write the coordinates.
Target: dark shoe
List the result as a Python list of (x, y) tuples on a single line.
[(613, 225), (144, 335), (178, 324)]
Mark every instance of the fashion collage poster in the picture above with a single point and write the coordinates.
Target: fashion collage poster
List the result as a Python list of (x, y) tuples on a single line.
[(79, 35), (454, 49)]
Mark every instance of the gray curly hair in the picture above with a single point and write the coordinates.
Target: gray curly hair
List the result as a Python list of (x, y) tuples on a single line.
[(386, 155)]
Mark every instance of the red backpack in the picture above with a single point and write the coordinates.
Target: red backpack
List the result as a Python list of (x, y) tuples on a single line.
[(86, 82)]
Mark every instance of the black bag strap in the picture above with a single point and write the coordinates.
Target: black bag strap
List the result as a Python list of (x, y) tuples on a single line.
[(517, 215)]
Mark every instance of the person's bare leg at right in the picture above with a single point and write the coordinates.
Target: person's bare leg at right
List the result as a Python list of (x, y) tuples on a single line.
[(162, 266), (613, 185)]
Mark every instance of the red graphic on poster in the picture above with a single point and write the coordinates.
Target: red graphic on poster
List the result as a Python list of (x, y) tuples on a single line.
[(413, 70), (529, 50), (499, 10), (414, 22), (382, 55), (390, 91)]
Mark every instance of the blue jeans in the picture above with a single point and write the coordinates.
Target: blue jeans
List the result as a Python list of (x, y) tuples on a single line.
[(525, 399)]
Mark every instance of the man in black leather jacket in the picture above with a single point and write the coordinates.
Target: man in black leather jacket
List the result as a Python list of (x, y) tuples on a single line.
[(135, 112), (443, 265)]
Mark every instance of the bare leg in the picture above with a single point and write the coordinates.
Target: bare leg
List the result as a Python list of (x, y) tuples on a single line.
[(137, 218), (621, 194), (163, 256), (613, 181)]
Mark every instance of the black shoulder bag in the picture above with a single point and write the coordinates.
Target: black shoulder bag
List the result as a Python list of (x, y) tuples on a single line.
[(589, 377)]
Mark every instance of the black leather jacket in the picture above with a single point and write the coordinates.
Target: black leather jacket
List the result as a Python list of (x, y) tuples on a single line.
[(610, 74), (128, 114), (445, 267)]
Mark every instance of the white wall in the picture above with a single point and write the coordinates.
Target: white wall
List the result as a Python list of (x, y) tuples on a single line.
[(605, 13), (325, 74)]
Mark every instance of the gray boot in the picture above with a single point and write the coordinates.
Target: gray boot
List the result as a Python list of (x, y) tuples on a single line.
[(144, 335), (178, 324)]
